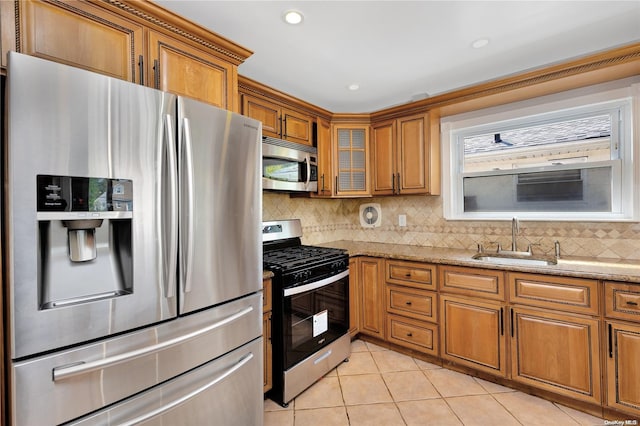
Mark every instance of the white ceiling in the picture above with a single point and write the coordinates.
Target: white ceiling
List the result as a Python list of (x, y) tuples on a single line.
[(398, 51)]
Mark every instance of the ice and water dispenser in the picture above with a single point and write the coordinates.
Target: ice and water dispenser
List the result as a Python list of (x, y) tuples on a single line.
[(85, 241)]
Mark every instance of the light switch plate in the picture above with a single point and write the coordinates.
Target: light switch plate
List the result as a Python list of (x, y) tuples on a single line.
[(402, 220)]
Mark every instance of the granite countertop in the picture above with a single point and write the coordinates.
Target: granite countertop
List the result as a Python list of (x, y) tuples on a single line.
[(600, 269)]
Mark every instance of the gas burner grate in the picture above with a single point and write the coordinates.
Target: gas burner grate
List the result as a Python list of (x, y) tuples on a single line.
[(291, 257)]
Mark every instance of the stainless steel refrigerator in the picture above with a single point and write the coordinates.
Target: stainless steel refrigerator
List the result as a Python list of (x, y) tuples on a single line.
[(134, 253)]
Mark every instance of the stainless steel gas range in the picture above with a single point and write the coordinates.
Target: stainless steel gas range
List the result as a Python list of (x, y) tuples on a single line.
[(310, 321)]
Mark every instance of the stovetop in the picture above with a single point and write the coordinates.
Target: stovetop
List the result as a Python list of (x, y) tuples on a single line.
[(290, 258)]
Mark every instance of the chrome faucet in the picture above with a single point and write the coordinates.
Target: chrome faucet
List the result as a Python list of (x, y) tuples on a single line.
[(515, 228)]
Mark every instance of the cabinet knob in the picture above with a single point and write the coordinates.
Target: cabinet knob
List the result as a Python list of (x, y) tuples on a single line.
[(409, 334), (408, 275), (408, 303)]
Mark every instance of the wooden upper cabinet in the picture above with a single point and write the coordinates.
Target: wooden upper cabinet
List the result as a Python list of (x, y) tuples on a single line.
[(182, 69), (325, 160), (263, 111), (402, 158), (296, 127), (79, 34), (138, 41), (383, 158), (351, 144), (412, 155), (278, 121)]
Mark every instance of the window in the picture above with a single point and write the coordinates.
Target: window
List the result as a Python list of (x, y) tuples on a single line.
[(572, 163)]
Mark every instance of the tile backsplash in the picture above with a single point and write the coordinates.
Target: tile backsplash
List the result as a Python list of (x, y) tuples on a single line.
[(337, 219)]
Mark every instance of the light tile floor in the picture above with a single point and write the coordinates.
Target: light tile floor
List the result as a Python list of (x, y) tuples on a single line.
[(385, 388)]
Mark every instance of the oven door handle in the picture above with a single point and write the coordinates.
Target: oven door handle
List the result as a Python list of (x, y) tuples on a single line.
[(314, 285)]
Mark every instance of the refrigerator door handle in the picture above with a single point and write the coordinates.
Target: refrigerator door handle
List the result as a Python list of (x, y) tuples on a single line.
[(188, 207), (167, 407), (75, 369), (169, 264)]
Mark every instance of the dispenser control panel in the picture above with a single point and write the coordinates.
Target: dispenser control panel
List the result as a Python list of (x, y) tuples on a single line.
[(84, 194)]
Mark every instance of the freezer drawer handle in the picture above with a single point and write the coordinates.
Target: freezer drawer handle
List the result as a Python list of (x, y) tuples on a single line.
[(190, 395), (64, 372)]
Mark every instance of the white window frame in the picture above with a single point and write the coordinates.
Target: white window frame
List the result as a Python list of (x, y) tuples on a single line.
[(622, 95)]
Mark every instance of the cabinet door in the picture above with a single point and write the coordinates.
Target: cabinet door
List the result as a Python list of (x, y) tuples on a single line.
[(179, 68), (412, 155), (623, 367), (473, 334), (267, 348), (296, 127), (263, 111), (81, 35), (352, 145), (555, 352), (354, 297), (372, 307), (383, 158), (325, 160)]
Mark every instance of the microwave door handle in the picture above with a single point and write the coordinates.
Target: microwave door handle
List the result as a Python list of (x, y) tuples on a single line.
[(169, 264), (307, 159), (187, 208)]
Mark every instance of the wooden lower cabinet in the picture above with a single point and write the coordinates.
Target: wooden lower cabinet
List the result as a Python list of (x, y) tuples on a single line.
[(372, 308), (556, 352), (623, 367), (268, 358), (414, 334), (472, 333), (266, 334), (354, 297)]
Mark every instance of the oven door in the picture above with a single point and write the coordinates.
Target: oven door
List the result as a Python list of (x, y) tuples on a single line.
[(315, 314)]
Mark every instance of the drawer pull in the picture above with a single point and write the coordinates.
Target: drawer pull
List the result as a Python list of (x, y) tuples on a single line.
[(409, 303), (409, 334), (629, 302), (408, 275)]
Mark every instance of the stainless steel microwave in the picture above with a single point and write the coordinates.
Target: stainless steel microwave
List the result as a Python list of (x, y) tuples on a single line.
[(289, 166)]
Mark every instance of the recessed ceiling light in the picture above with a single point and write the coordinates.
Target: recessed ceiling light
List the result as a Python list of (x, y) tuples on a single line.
[(353, 86), (292, 17), (481, 42)]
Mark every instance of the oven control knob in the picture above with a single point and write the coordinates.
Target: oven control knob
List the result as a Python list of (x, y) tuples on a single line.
[(341, 264)]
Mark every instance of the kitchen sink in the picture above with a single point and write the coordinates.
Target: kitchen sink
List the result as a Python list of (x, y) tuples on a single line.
[(510, 259)]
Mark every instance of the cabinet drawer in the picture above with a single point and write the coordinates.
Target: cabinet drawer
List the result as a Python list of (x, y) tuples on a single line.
[(622, 301), (545, 291), (472, 282), (418, 304), (413, 334), (412, 274)]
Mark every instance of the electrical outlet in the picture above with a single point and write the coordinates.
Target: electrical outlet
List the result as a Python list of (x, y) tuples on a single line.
[(402, 220)]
